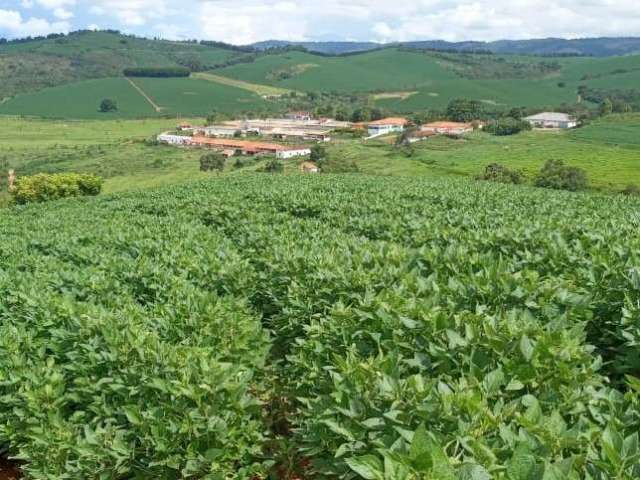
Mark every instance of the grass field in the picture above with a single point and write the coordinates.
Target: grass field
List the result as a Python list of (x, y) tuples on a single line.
[(262, 90), (115, 150), (609, 150)]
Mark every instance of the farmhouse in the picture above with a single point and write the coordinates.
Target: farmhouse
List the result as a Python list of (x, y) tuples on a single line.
[(387, 125), (447, 128), (552, 120)]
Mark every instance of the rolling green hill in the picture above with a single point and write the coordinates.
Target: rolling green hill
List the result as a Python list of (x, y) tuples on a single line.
[(437, 77), (25, 67), (152, 97), (42, 77)]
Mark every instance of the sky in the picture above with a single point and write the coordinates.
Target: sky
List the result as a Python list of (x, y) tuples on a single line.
[(248, 21)]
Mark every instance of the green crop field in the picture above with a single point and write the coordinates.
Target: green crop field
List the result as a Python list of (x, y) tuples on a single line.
[(339, 327), (194, 96), (174, 96), (438, 77), (81, 100)]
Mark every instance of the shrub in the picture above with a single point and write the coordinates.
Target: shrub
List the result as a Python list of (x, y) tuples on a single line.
[(555, 174), (274, 166), (44, 187), (108, 105), (212, 161), (496, 172), (507, 126)]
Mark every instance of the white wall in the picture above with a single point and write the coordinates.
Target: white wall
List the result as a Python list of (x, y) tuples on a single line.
[(174, 139), (293, 153)]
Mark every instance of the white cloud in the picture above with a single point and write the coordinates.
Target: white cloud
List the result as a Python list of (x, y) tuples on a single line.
[(246, 21), (12, 22), (62, 13)]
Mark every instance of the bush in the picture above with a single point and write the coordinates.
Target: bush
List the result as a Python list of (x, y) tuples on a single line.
[(212, 161), (44, 187), (157, 72), (108, 105), (274, 166), (507, 126), (496, 172), (555, 174)]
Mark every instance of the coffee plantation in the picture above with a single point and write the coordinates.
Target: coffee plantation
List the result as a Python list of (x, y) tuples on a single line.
[(325, 327)]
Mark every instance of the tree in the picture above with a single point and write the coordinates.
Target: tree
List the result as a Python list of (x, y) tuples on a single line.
[(274, 166), (496, 172), (464, 110), (507, 126), (108, 105), (606, 107), (212, 161), (318, 153), (555, 174)]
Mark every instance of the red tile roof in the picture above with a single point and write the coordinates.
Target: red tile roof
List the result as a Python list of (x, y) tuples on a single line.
[(238, 144), (391, 121), (448, 125)]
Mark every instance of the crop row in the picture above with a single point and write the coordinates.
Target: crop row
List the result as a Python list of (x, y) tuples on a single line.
[(333, 327)]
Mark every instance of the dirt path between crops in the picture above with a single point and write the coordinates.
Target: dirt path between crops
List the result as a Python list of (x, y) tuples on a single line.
[(155, 106), (9, 470)]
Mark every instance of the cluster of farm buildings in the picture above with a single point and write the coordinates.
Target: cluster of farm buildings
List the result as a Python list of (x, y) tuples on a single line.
[(230, 137)]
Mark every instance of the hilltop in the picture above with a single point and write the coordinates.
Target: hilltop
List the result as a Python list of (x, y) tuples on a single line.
[(68, 76), (598, 47)]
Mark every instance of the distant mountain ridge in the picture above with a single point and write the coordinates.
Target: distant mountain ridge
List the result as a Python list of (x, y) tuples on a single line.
[(597, 47)]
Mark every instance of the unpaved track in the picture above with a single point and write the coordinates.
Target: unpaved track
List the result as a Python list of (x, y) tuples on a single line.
[(155, 106)]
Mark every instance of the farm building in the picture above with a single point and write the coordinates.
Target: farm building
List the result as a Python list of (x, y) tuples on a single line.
[(421, 135), (447, 128), (303, 116), (387, 125), (249, 148), (552, 120), (291, 152), (174, 139)]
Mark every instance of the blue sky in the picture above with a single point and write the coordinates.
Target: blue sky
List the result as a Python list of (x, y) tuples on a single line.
[(246, 21)]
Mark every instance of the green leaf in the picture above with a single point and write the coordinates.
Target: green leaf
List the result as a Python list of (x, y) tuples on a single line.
[(368, 467), (522, 465)]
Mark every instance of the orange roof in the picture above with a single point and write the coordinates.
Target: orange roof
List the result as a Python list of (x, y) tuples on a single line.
[(447, 125), (238, 144), (391, 121)]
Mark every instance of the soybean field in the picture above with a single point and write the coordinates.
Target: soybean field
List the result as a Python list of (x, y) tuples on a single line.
[(322, 327)]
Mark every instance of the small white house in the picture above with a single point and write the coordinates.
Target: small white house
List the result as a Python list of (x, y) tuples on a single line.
[(175, 139), (293, 152), (386, 126), (552, 120)]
